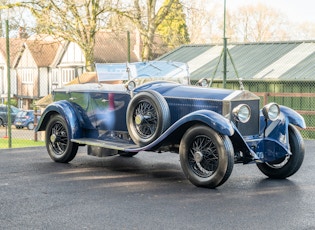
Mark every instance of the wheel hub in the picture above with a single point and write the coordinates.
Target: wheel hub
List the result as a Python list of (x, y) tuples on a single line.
[(53, 138), (198, 156), (139, 118)]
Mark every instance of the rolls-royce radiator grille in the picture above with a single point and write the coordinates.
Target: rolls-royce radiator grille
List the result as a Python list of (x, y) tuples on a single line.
[(252, 126)]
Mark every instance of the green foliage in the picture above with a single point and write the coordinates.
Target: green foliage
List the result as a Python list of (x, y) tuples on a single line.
[(19, 143), (13, 101), (173, 29)]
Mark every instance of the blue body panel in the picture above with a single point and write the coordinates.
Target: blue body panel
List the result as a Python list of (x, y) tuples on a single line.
[(169, 89)]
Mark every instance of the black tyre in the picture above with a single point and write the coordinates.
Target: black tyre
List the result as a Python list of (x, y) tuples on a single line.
[(206, 157), (148, 116), (58, 143), (1, 122), (288, 165), (30, 126)]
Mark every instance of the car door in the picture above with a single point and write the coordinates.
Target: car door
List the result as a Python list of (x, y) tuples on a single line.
[(109, 110)]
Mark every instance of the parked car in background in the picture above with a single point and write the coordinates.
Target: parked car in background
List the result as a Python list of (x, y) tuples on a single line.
[(4, 114), (25, 119), (210, 128)]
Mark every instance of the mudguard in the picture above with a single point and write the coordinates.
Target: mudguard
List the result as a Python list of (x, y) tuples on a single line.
[(275, 142), (269, 150), (271, 145), (66, 110), (214, 120), (294, 117)]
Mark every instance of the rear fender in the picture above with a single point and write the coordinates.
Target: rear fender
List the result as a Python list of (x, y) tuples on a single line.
[(67, 111)]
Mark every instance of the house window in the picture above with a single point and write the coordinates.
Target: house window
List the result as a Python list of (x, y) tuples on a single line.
[(67, 75), (28, 76), (54, 77)]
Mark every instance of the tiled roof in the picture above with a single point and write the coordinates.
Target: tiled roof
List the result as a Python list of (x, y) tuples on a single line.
[(43, 52), (15, 48), (111, 47), (253, 61)]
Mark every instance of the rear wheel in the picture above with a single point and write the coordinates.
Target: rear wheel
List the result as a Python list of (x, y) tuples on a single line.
[(30, 126), (58, 144), (206, 157), (288, 165)]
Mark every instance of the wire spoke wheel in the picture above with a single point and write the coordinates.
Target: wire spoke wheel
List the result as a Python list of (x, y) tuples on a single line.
[(58, 138), (206, 157), (203, 157), (146, 120), (58, 141), (148, 116)]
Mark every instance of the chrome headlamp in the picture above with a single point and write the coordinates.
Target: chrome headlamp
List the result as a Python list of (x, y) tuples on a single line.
[(203, 82), (242, 113), (271, 111), (130, 85)]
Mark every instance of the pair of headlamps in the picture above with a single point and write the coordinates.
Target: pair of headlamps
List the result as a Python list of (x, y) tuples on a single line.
[(242, 112)]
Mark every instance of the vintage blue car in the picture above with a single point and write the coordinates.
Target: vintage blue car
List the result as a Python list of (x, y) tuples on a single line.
[(155, 109)]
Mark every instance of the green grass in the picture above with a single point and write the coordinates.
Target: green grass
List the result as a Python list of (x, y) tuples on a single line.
[(19, 143)]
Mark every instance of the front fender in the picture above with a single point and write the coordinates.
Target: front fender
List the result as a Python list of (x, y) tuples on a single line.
[(278, 129), (294, 117), (214, 120), (67, 111)]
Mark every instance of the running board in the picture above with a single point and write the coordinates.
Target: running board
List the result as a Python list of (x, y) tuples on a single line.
[(108, 144)]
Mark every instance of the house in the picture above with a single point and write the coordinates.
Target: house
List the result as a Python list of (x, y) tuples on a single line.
[(42, 63), (33, 69), (15, 50), (46, 63), (110, 47)]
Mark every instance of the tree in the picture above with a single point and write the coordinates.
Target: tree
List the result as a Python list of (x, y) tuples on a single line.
[(255, 23), (302, 31), (202, 19), (173, 29), (146, 16), (19, 19), (75, 21)]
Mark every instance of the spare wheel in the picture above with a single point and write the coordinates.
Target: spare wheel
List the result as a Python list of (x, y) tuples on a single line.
[(148, 116)]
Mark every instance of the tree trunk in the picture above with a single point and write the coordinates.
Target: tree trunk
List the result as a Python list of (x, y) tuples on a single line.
[(89, 56)]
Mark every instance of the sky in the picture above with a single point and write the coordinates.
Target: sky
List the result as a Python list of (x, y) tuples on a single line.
[(296, 10)]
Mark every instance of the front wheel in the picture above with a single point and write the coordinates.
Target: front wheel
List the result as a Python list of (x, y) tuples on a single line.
[(206, 157), (58, 144), (288, 165)]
